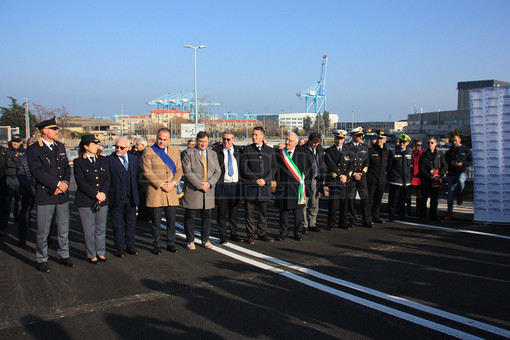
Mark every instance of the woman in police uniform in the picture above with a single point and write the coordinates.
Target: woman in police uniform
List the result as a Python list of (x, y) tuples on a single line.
[(93, 179)]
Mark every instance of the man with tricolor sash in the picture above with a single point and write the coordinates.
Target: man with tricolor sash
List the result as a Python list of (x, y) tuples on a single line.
[(295, 170), (162, 168)]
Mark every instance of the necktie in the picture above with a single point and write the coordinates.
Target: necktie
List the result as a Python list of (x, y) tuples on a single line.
[(125, 162), (290, 154), (93, 159), (230, 164), (204, 162)]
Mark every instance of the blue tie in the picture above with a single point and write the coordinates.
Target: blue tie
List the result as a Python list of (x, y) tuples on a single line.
[(125, 162), (230, 164)]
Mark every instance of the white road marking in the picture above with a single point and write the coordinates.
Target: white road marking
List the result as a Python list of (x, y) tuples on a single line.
[(355, 299)]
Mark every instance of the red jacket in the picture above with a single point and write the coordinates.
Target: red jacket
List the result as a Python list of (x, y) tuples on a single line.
[(416, 179)]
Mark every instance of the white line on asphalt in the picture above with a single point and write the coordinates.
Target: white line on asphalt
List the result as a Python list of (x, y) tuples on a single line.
[(364, 302), (367, 303), (448, 229)]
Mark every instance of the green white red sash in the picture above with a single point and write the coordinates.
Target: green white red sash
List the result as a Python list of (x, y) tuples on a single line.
[(296, 173)]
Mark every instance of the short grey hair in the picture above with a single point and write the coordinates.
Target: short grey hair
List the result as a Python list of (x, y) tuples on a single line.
[(123, 138), (228, 132), (142, 141)]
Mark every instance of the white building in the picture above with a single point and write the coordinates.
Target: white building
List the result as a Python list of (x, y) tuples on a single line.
[(296, 120)]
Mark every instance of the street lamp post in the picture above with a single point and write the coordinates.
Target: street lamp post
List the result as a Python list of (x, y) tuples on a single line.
[(196, 98), (27, 122)]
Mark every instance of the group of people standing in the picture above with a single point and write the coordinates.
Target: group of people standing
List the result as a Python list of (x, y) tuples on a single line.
[(224, 177)]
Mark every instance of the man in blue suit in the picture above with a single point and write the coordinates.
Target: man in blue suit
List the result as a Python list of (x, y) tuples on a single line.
[(123, 194)]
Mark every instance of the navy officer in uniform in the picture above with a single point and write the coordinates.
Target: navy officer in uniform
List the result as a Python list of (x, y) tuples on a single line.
[(50, 167), (339, 164), (359, 154)]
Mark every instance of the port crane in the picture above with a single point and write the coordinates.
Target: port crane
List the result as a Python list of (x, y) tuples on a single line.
[(315, 95)]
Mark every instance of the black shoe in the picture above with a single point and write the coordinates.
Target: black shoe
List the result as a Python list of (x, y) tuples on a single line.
[(328, 228), (281, 238), (368, 224), (298, 238), (315, 229), (305, 230), (44, 267), (223, 241), (157, 251), (67, 262), (348, 225), (235, 238), (94, 262), (102, 259), (171, 248), (22, 243), (121, 253), (377, 220), (131, 250)]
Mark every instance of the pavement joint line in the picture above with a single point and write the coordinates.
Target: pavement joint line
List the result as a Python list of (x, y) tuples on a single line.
[(388, 297), (447, 228)]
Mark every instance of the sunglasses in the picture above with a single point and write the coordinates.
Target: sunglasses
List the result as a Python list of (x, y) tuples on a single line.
[(431, 142), (419, 144), (227, 139), (120, 147)]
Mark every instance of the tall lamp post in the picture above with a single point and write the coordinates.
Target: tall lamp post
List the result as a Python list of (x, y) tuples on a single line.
[(27, 121), (196, 98)]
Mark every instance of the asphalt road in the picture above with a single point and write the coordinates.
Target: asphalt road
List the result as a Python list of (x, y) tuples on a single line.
[(401, 280)]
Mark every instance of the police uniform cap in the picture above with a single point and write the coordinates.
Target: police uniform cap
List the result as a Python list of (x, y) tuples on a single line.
[(86, 139), (357, 131), (404, 137), (16, 138), (48, 124), (339, 133), (380, 134)]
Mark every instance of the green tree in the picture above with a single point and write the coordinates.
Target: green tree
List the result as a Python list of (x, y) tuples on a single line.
[(326, 122), (308, 124), (14, 116)]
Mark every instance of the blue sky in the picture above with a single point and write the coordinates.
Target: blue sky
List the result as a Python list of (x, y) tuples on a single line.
[(384, 56)]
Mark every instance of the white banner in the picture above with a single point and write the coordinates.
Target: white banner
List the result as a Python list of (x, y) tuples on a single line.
[(490, 134)]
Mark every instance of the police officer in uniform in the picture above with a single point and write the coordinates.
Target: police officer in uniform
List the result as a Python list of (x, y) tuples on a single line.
[(11, 156), (359, 154), (376, 175), (339, 164), (50, 167)]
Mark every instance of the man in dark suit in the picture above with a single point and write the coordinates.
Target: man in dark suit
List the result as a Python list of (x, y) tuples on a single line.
[(228, 193), (295, 167), (49, 165), (257, 166), (317, 154), (339, 163), (124, 197)]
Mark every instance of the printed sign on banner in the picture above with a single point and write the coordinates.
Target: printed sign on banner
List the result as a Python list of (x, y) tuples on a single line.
[(490, 134)]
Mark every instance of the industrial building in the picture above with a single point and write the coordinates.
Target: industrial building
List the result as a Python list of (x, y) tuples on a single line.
[(440, 123)]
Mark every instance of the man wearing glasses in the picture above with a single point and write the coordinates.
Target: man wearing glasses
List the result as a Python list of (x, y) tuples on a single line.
[(228, 193), (124, 197), (432, 168), (399, 177)]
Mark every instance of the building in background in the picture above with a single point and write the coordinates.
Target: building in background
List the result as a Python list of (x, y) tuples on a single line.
[(440, 123), (388, 127)]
